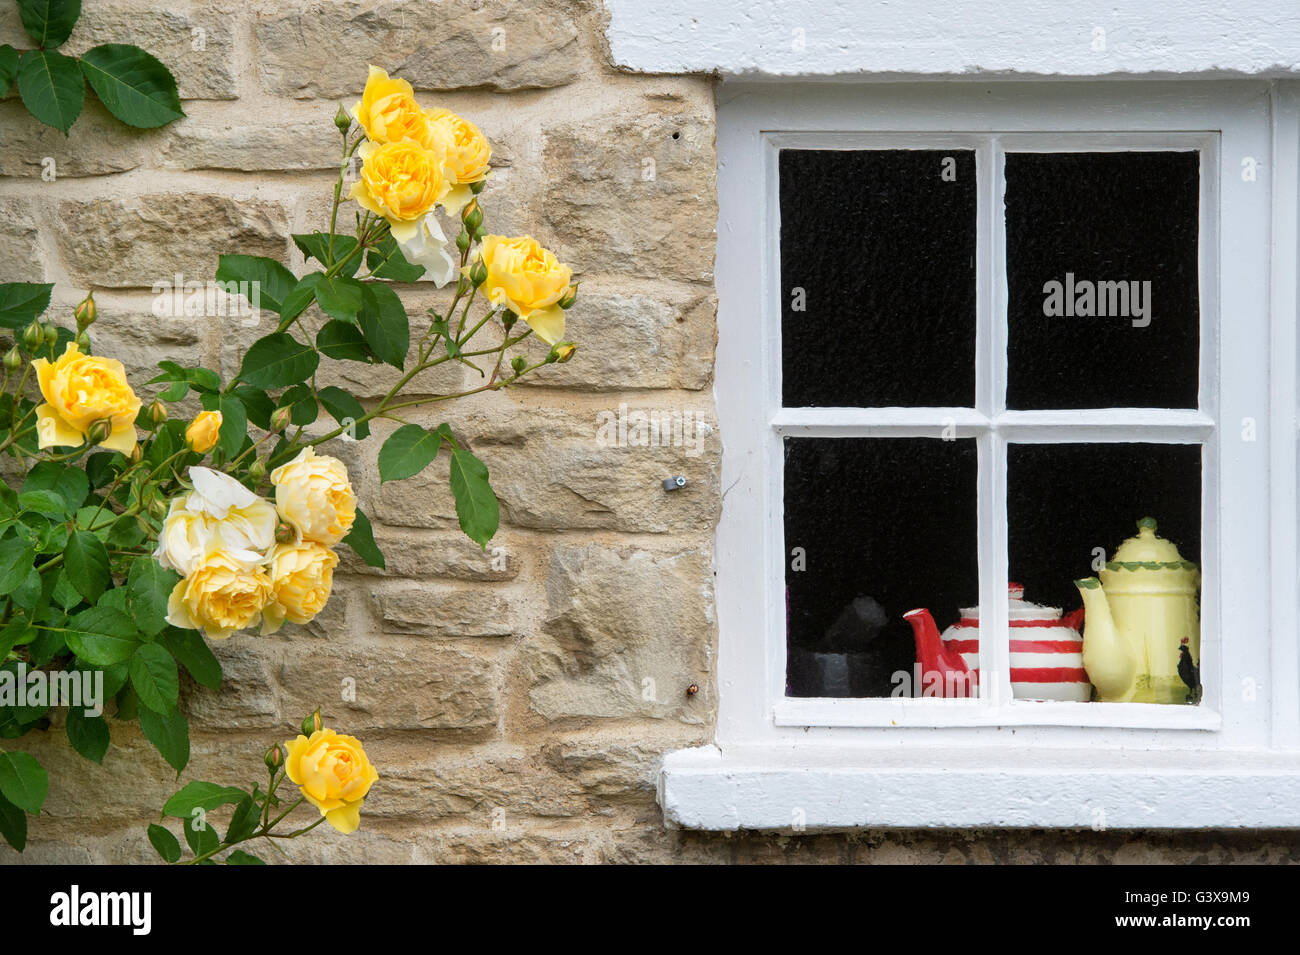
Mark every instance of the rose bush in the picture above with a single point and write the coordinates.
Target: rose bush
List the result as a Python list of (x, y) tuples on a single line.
[(129, 536)]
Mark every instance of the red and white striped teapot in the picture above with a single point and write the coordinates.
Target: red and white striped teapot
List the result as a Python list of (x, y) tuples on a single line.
[(1046, 652)]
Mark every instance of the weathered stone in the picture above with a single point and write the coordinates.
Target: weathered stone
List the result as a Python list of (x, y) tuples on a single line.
[(662, 340), (515, 845), (195, 40), (606, 768), (450, 555), (319, 48), (405, 685), (621, 634), (418, 609), (554, 469), (144, 241), (633, 192), (297, 144), (96, 144), (127, 329), (21, 256), (246, 698), (491, 787)]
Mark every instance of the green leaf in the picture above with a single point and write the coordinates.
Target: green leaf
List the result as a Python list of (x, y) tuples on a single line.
[(315, 245), (15, 633), (102, 636), (278, 360), (342, 407), (87, 734), (339, 296), (170, 735), (302, 404), (200, 834), (51, 87), (342, 341), (49, 22), (384, 323), (269, 282), (476, 505), (23, 781), (201, 795), (240, 857), (193, 652), (296, 302), (166, 844), (244, 822), (87, 561), (149, 585), (362, 540), (13, 824), (132, 84), (257, 404), (154, 677), (8, 67), (20, 302), (407, 452), (70, 483), (45, 502), (17, 558), (387, 262)]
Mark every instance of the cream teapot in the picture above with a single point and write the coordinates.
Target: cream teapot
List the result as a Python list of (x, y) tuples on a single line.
[(1137, 617)]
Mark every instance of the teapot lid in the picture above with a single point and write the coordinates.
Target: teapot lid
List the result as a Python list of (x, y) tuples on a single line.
[(1148, 550), (1018, 608)]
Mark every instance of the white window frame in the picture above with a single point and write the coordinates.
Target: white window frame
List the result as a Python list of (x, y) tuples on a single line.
[(1234, 760)]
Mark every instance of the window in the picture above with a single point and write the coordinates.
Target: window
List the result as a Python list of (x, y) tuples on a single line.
[(913, 418), (990, 356)]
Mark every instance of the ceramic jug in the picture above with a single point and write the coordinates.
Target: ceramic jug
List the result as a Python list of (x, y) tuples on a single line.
[(1137, 617)]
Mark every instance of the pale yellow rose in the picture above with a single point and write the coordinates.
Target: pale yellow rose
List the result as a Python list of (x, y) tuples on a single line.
[(529, 280), (388, 113), (313, 494), (220, 514), (204, 431), (220, 595), (302, 575), (400, 182), (467, 160), (334, 774), (79, 391)]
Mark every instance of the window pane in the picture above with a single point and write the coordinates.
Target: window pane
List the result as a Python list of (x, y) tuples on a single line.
[(1071, 506), (1103, 304), (874, 527), (878, 278)]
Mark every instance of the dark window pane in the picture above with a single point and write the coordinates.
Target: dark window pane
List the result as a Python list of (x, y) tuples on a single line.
[(1115, 235), (1071, 506), (878, 278), (874, 527)]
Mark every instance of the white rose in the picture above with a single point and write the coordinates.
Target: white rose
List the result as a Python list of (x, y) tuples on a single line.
[(220, 514)]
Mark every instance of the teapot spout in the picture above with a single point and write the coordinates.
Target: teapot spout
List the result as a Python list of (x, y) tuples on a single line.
[(943, 673), (1108, 656)]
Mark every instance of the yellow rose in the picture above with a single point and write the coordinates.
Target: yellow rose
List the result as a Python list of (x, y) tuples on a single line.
[(313, 494), (468, 155), (401, 182), (80, 390), (388, 113), (528, 280), (204, 431), (334, 774), (219, 514), (221, 595), (302, 575)]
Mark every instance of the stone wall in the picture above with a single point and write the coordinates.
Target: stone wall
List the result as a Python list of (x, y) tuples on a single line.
[(517, 701)]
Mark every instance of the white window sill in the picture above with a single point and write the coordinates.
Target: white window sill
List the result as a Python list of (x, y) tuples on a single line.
[(788, 788)]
